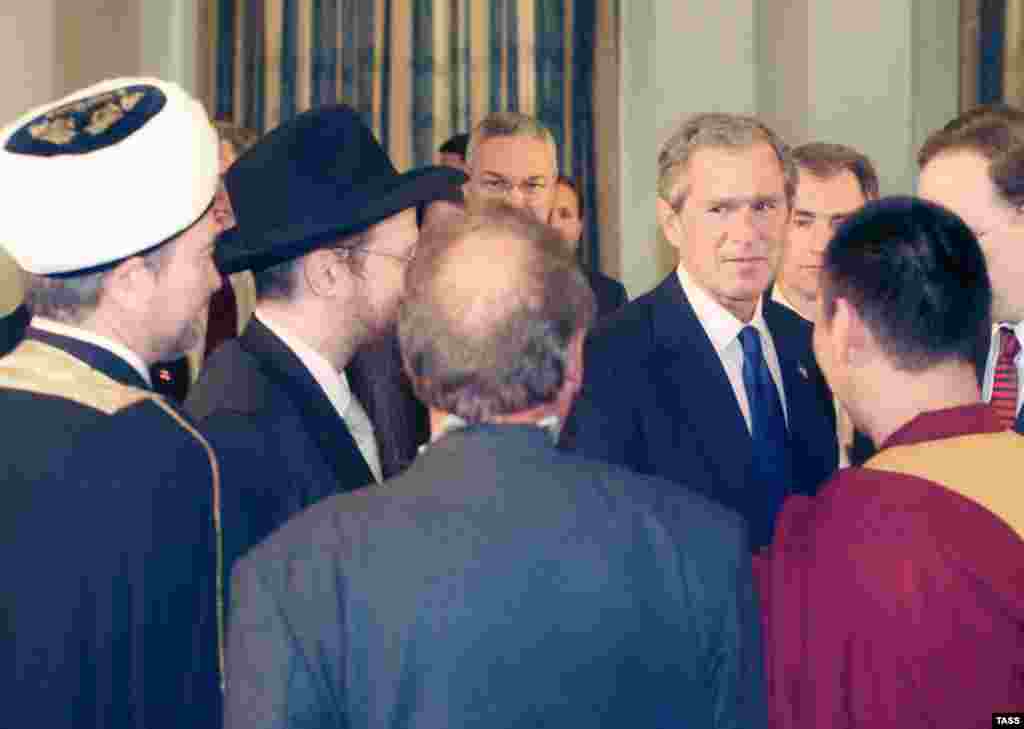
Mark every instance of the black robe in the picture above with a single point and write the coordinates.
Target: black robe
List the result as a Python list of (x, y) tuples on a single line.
[(109, 541)]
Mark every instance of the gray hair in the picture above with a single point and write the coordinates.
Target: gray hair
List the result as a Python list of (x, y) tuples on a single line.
[(731, 131), (481, 349), (509, 124), (71, 299)]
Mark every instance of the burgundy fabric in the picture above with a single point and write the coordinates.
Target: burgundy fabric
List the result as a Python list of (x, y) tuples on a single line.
[(891, 601), (223, 319)]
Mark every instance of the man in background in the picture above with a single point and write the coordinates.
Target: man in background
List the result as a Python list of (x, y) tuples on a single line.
[(975, 167), (499, 581), (701, 380), (511, 159), (913, 563), (833, 182), (453, 152)]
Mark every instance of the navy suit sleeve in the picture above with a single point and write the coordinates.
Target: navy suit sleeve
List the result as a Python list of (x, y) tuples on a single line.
[(269, 680)]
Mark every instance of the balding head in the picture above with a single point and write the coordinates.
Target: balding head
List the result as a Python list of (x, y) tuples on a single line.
[(492, 308)]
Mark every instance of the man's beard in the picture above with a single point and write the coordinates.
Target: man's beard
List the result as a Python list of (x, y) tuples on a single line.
[(189, 338)]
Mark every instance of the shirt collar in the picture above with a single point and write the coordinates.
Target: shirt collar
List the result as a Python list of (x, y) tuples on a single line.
[(69, 330), (720, 324), (552, 424), (780, 298), (333, 382), (1017, 328), (946, 423)]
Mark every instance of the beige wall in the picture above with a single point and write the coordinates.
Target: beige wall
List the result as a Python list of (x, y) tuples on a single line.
[(50, 48), (876, 74)]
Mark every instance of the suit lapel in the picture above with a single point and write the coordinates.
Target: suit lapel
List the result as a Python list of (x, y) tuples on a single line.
[(808, 400), (693, 380), (322, 422)]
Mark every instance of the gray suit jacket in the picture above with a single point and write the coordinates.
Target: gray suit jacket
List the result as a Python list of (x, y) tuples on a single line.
[(499, 582)]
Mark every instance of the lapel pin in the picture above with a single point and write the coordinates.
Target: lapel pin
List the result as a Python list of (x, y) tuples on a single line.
[(802, 370)]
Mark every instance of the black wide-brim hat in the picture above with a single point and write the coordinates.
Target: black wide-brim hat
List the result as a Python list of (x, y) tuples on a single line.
[(317, 178)]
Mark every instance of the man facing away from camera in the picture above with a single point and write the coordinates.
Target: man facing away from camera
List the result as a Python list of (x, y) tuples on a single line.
[(895, 597), (499, 581)]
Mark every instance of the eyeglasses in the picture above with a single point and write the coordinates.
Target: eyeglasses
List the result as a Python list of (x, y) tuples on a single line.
[(501, 187)]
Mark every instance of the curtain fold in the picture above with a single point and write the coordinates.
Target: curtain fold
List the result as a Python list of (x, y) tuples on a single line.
[(417, 70)]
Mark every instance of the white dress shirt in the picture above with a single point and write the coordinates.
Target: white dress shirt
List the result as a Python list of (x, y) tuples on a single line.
[(993, 354), (67, 330), (335, 386), (723, 329)]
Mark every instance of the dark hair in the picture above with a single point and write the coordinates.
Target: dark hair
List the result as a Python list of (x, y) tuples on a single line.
[(571, 184), (240, 138), (510, 353), (280, 281), (456, 145), (916, 275), (994, 110), (826, 160), (996, 134)]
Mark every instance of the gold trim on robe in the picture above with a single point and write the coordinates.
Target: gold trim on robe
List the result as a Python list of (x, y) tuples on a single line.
[(982, 467), (46, 370)]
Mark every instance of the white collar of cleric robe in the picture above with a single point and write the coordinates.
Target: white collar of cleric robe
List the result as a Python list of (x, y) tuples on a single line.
[(84, 335), (721, 325), (551, 423)]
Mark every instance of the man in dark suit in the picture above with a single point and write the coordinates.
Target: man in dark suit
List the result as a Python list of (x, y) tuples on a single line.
[(110, 522), (327, 226), (700, 381), (499, 581), (975, 167), (833, 182), (567, 218)]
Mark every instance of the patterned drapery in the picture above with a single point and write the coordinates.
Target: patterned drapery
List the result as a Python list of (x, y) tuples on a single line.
[(418, 70)]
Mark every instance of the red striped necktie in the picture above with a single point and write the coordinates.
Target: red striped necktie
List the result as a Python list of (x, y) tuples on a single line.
[(1005, 383)]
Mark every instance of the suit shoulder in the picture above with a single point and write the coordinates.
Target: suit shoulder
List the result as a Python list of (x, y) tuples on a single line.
[(785, 323), (231, 380), (629, 326), (678, 505)]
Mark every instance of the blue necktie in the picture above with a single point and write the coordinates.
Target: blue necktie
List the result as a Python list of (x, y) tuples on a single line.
[(773, 470)]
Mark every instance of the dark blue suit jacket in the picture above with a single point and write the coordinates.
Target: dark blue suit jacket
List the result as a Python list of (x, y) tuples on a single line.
[(499, 582), (609, 293), (656, 398), (281, 444)]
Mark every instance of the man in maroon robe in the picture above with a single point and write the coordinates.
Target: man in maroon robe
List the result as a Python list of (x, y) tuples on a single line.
[(895, 597)]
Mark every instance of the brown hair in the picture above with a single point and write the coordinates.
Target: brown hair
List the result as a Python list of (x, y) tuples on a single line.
[(826, 160), (995, 134)]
